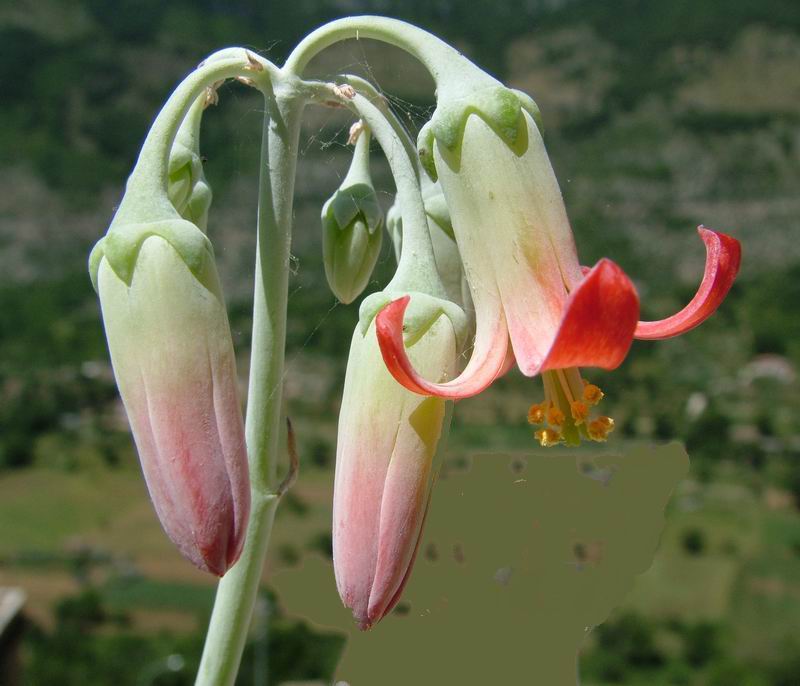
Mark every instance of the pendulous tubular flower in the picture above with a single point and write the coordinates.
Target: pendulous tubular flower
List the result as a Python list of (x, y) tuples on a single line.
[(519, 255), (173, 360), (352, 222), (171, 350), (388, 439)]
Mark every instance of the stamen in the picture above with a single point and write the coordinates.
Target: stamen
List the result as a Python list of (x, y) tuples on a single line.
[(536, 413), (580, 411), (548, 437), (555, 417), (600, 428), (606, 421), (592, 394), (566, 410)]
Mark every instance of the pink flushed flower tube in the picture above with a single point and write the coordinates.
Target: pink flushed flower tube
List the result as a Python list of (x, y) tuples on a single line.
[(171, 348), (174, 363), (388, 437)]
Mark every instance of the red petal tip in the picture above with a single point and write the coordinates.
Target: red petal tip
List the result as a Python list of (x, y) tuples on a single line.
[(723, 258), (599, 320)]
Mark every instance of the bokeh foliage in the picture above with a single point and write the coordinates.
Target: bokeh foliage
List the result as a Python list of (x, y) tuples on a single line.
[(658, 116)]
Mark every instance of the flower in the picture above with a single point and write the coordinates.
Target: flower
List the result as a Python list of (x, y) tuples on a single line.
[(171, 350), (352, 223), (525, 278), (174, 364), (388, 438)]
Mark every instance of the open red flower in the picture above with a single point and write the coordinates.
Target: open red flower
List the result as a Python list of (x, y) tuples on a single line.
[(528, 286)]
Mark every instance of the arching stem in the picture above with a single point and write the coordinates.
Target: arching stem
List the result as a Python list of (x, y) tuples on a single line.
[(417, 267), (438, 57), (149, 179)]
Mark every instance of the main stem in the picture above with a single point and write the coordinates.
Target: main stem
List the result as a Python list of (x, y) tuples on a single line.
[(236, 593)]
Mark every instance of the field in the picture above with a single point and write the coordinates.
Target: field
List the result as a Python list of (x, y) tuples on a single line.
[(96, 529)]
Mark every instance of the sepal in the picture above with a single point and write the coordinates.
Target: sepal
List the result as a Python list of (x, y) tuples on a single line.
[(436, 208), (425, 141), (121, 246), (394, 227), (95, 257), (497, 105), (500, 107), (529, 105), (349, 203)]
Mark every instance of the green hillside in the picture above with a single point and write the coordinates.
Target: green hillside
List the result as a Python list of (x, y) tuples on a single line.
[(658, 117)]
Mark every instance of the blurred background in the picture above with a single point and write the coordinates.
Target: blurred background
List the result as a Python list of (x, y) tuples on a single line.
[(658, 116)]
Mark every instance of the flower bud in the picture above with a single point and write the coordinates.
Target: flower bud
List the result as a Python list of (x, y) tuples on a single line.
[(173, 360), (188, 189), (171, 350), (351, 228), (385, 468), (174, 364)]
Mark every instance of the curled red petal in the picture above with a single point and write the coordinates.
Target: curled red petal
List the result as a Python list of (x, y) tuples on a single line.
[(485, 365), (598, 324), (723, 257)]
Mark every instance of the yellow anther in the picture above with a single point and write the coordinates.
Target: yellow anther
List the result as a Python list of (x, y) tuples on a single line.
[(592, 394), (536, 413), (600, 428), (548, 437), (580, 411), (555, 417)]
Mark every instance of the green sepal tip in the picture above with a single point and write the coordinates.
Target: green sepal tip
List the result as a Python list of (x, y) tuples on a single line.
[(500, 107), (121, 246), (347, 203)]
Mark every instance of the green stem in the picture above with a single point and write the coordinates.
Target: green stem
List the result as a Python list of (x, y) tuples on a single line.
[(150, 176), (417, 267), (437, 56), (376, 98), (359, 171), (236, 594)]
